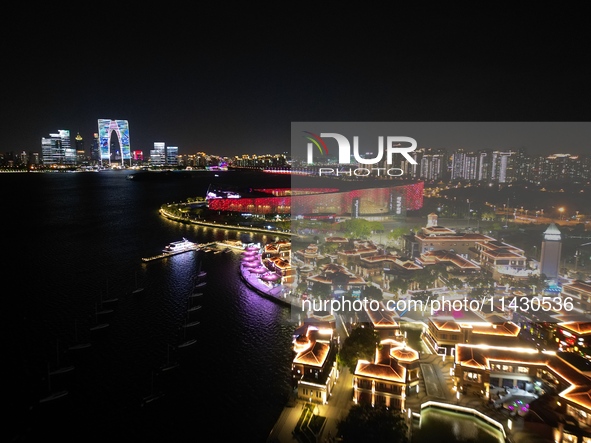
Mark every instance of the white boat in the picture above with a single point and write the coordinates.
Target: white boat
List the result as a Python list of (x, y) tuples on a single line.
[(177, 247)]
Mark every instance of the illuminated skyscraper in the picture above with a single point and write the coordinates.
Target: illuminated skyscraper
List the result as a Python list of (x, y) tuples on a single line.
[(172, 153), (158, 154), (551, 249), (106, 129), (57, 151), (95, 153), (80, 153)]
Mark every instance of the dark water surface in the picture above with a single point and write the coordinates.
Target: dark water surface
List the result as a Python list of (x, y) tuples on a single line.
[(74, 240)]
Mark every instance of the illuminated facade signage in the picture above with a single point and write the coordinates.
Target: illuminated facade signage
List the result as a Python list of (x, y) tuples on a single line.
[(107, 128)]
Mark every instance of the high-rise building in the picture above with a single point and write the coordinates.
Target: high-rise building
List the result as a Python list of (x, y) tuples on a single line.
[(80, 153), (158, 154), (484, 166), (551, 250), (120, 128), (432, 165), (56, 149), (95, 153), (503, 168), (172, 153), (464, 165)]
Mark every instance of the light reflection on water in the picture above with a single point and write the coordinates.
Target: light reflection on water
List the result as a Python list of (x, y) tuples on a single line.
[(80, 239), (449, 427)]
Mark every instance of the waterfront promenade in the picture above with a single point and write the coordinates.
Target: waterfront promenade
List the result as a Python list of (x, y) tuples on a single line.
[(436, 385), (280, 293)]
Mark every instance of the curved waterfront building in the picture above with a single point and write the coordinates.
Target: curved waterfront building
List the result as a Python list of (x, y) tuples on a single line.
[(106, 129), (392, 200)]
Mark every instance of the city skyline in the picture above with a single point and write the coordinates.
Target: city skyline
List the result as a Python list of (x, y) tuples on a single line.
[(536, 139), (186, 86)]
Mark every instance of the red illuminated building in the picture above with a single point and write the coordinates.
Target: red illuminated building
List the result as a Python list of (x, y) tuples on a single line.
[(389, 200)]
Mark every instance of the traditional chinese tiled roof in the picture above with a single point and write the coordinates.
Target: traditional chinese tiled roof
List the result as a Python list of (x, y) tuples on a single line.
[(461, 316), (503, 253), (471, 357), (277, 247), (578, 286), (336, 240), (580, 395), (445, 325), (393, 372), (314, 356), (332, 272), (580, 328), (438, 230), (404, 354), (571, 368), (507, 328), (382, 318), (311, 349), (380, 258), (496, 245), (468, 236), (443, 256)]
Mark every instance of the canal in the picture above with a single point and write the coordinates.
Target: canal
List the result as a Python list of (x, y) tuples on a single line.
[(441, 425)]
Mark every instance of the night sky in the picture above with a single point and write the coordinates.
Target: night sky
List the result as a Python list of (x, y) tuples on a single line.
[(230, 82)]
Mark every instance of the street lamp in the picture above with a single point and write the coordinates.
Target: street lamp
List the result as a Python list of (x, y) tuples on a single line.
[(561, 210)]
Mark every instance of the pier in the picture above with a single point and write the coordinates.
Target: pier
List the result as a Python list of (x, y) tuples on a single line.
[(195, 247)]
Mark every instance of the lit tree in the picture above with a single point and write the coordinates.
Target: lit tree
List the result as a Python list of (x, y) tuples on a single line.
[(359, 345)]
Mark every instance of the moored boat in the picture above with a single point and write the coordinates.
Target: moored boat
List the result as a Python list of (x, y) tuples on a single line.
[(183, 245)]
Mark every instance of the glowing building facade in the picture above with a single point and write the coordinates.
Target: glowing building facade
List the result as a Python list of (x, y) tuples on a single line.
[(391, 200), (106, 129), (56, 150)]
